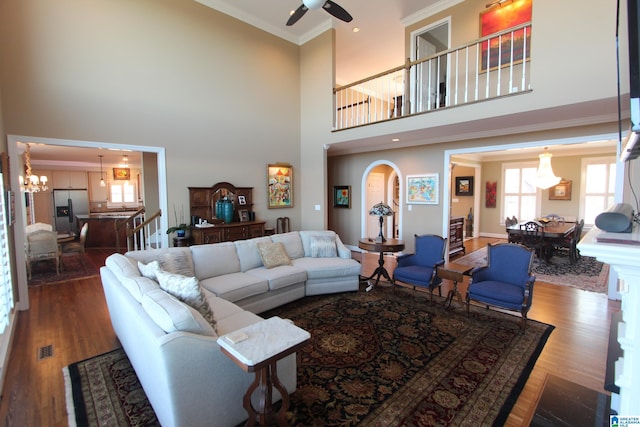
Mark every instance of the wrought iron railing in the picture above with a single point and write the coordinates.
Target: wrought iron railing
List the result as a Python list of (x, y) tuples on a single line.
[(488, 68)]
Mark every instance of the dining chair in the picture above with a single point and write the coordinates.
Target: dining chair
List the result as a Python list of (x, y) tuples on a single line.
[(419, 268), (282, 225), (76, 246), (42, 245), (506, 281), (532, 236), (570, 243)]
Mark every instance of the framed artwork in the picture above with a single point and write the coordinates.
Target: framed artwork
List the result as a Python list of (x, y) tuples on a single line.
[(561, 191), (243, 214), (242, 200), (491, 188), (423, 189), (464, 186), (280, 185), (342, 196), (121, 174), (498, 50)]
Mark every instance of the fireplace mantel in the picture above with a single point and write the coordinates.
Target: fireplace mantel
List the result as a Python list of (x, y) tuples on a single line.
[(622, 252)]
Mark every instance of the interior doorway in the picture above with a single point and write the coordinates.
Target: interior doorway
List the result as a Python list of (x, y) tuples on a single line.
[(428, 87), (20, 213), (382, 183)]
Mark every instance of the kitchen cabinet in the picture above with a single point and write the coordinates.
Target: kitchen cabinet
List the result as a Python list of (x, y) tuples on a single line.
[(69, 180), (96, 192)]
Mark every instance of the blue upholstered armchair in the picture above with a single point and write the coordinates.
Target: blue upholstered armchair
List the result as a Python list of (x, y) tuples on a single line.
[(505, 281), (419, 268)]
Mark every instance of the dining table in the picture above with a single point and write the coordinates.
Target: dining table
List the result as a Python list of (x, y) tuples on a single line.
[(552, 229)]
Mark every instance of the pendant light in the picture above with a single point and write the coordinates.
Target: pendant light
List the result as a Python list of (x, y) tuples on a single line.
[(102, 183), (545, 177)]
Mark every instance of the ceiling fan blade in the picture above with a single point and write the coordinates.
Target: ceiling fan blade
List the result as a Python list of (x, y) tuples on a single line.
[(337, 11), (299, 13)]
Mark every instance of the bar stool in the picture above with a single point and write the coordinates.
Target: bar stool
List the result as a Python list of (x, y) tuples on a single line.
[(282, 225)]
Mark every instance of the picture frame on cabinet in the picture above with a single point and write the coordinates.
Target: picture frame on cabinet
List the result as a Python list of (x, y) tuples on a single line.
[(243, 214), (279, 185), (242, 200)]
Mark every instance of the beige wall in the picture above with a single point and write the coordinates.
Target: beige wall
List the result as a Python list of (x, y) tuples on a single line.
[(221, 96)]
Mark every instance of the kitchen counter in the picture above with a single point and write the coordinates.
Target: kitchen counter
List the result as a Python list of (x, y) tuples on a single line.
[(102, 231)]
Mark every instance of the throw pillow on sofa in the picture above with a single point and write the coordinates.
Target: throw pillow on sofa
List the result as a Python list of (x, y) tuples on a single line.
[(273, 254), (323, 247), (187, 290), (149, 270), (172, 315)]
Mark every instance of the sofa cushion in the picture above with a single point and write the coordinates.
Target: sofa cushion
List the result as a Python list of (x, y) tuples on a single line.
[(122, 266), (323, 247), (187, 290), (318, 268), (292, 243), (173, 260), (138, 286), (172, 315), (235, 286), (272, 254), (281, 276), (221, 307), (215, 259), (237, 321), (248, 252)]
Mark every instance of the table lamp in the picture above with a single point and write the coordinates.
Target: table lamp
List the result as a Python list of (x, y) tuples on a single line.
[(381, 210)]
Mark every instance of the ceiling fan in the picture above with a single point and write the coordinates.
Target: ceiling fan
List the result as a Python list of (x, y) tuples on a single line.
[(327, 5)]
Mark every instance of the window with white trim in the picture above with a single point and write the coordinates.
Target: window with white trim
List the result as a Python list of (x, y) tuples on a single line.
[(6, 292), (122, 194), (519, 198), (598, 186)]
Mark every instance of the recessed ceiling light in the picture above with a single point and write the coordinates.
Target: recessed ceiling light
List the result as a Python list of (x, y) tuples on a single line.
[(355, 29), (395, 139)]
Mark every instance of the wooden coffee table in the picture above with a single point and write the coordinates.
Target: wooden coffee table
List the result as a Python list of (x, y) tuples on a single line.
[(257, 348), (454, 272)]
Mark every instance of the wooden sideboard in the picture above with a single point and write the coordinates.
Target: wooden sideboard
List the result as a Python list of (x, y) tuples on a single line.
[(227, 232), (456, 236)]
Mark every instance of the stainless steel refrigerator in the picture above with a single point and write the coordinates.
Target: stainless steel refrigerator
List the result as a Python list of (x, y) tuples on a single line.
[(67, 204)]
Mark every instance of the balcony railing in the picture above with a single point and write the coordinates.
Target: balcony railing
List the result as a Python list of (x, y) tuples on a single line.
[(488, 68)]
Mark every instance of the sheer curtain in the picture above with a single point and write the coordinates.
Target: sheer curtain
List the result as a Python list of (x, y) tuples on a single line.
[(6, 293)]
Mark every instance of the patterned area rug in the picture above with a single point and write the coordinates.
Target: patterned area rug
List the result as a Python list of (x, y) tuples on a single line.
[(587, 274), (44, 272), (374, 359)]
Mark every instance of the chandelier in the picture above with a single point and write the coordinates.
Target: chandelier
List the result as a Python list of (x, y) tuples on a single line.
[(545, 177), (31, 183)]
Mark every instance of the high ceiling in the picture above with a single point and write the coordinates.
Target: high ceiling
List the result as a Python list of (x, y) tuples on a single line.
[(377, 46)]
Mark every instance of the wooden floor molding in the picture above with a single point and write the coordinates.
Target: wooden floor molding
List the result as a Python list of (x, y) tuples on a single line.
[(72, 317)]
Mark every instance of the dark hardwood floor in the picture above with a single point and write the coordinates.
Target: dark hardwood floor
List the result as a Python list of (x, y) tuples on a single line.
[(72, 318)]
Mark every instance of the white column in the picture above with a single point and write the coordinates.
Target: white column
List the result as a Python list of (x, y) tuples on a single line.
[(622, 252)]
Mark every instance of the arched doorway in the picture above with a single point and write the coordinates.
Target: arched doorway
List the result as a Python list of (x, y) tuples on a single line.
[(382, 182)]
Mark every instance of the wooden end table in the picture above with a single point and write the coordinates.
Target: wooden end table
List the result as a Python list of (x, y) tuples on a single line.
[(257, 348), (372, 245), (454, 272)]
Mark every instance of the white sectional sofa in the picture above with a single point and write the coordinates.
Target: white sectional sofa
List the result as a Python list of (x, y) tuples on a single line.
[(173, 349)]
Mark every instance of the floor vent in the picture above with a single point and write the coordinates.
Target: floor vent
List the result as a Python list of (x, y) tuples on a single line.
[(45, 352)]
